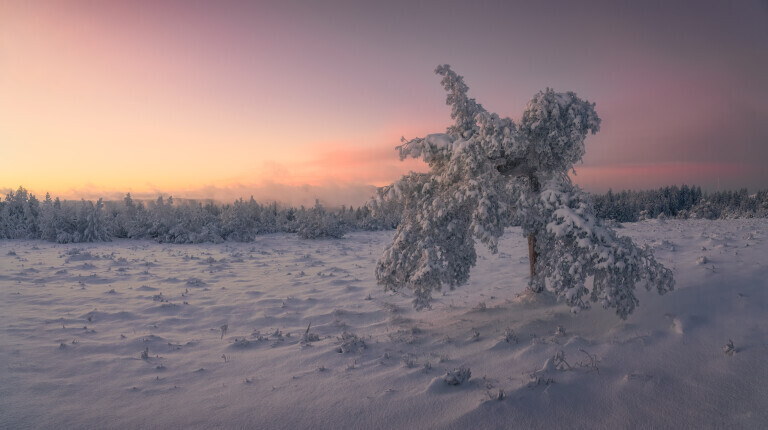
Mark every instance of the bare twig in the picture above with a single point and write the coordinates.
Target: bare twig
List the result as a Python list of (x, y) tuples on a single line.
[(592, 363)]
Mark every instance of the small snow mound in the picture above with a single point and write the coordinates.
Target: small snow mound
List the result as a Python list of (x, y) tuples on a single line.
[(195, 282), (241, 343), (79, 255), (663, 244), (677, 326), (438, 385), (530, 298), (686, 323), (533, 349), (577, 342), (549, 366)]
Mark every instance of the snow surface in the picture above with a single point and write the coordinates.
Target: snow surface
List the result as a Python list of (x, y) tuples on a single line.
[(134, 334)]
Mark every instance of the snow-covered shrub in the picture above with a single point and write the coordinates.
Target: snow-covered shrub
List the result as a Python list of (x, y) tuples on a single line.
[(510, 336), (409, 361), (457, 376), (498, 396), (350, 342), (729, 349), (488, 173)]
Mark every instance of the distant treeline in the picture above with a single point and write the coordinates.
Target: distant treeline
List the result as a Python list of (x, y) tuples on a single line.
[(680, 202), (24, 216)]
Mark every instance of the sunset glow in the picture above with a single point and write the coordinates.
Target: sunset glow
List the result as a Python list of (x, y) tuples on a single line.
[(239, 98)]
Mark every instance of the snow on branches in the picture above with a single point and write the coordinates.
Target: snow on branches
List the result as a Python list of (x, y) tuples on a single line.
[(487, 173), (573, 244)]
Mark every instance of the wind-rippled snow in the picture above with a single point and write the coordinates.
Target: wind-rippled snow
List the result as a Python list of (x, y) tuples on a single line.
[(133, 334)]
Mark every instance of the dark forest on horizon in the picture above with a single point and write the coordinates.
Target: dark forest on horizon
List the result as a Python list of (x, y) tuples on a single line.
[(169, 220)]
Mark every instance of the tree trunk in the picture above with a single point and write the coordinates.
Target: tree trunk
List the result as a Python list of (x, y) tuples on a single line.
[(532, 253)]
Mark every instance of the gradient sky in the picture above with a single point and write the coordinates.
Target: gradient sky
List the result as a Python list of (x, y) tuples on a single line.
[(291, 100)]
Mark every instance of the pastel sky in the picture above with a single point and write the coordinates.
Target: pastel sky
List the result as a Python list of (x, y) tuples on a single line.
[(292, 100)]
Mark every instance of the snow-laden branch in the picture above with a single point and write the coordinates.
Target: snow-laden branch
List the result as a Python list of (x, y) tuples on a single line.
[(574, 244)]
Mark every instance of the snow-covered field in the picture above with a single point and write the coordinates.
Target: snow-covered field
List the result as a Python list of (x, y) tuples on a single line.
[(134, 334)]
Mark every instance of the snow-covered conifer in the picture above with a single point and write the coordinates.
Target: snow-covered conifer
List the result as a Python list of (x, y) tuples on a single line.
[(316, 223), (95, 230), (486, 173), (19, 215)]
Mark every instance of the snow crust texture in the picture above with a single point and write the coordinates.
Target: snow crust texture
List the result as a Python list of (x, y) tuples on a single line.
[(286, 333)]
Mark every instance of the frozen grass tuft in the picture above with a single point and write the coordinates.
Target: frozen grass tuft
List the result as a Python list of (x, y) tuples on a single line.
[(497, 396), (409, 361), (457, 376), (195, 282), (307, 337), (729, 349), (350, 342), (560, 362), (241, 343), (590, 363), (510, 336)]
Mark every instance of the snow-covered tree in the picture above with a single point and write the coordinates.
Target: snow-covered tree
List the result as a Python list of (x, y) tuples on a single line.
[(19, 215), (95, 229), (316, 223), (487, 173), (125, 218), (196, 223)]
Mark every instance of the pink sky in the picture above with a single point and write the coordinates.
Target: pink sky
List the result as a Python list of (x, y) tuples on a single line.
[(297, 100)]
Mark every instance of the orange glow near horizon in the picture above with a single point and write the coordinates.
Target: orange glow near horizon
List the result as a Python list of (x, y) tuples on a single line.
[(336, 167), (188, 98), (89, 107)]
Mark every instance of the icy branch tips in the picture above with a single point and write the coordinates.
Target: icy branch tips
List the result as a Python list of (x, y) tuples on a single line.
[(488, 173)]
